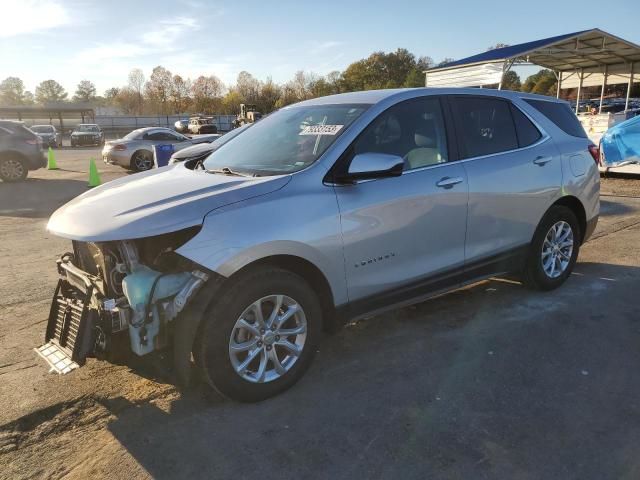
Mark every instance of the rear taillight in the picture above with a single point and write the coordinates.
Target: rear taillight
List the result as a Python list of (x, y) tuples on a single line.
[(32, 141), (595, 152), (120, 147)]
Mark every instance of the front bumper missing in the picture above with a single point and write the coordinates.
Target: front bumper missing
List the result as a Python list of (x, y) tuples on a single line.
[(69, 338)]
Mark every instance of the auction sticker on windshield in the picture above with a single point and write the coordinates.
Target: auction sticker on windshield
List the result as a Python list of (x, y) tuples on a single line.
[(321, 129)]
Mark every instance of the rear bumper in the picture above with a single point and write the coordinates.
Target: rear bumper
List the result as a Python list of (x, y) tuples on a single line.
[(113, 157), (37, 160)]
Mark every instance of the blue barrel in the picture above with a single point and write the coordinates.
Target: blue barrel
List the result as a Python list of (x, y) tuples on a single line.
[(162, 154)]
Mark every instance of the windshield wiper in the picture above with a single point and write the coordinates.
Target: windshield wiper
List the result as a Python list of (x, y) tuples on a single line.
[(228, 171)]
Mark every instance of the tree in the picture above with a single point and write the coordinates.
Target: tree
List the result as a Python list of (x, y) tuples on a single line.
[(269, 94), (12, 92), (180, 90), (543, 82), (511, 81), (111, 93), (158, 89), (50, 91), (231, 102), (126, 100), (497, 45), (384, 70), (136, 85), (85, 92), (248, 87), (444, 61), (28, 98), (206, 93)]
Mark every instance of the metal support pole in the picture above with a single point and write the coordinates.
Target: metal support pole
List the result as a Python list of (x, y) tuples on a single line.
[(604, 84), (579, 91), (629, 87), (559, 77)]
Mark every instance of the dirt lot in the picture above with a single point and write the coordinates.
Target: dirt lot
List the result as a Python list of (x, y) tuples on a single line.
[(492, 381)]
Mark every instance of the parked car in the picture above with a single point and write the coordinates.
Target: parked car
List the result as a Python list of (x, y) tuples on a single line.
[(199, 125), (330, 209), (135, 150), (48, 134), (87, 134), (620, 148), (203, 150), (181, 126), (20, 151)]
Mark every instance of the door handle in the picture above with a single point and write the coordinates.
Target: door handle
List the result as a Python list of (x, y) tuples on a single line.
[(448, 182), (541, 161)]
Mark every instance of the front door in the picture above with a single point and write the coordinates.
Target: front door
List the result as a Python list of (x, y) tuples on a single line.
[(401, 233)]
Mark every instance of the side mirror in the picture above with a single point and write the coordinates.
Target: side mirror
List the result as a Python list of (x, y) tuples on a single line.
[(367, 166)]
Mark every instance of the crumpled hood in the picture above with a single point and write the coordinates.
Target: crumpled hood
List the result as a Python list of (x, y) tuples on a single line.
[(151, 203), (194, 151)]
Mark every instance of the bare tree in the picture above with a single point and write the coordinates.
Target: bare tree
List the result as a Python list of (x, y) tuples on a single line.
[(136, 84)]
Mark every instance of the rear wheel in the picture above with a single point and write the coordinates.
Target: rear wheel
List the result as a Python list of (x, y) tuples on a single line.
[(259, 339), (141, 161), (554, 249), (12, 169)]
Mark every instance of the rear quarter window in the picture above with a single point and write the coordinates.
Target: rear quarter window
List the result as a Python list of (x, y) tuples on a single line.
[(560, 114)]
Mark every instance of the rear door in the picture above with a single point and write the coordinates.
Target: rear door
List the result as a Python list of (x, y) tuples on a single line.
[(514, 175), (401, 234)]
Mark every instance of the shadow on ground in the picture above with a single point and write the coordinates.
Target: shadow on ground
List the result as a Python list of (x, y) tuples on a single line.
[(26, 199), (491, 381)]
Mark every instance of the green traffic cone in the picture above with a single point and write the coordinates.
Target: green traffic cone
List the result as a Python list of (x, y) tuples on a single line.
[(94, 176), (51, 160)]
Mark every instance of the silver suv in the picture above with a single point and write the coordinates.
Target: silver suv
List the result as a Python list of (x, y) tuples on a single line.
[(323, 211)]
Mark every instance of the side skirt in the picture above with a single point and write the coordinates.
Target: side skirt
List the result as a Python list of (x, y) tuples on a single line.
[(428, 287)]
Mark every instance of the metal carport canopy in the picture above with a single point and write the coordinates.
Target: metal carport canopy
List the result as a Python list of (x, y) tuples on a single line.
[(585, 58)]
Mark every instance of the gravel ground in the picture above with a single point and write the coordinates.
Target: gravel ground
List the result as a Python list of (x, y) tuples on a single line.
[(492, 381)]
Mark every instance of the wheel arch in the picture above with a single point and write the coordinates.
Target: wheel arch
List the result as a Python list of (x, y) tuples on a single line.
[(135, 153), (576, 206), (307, 270)]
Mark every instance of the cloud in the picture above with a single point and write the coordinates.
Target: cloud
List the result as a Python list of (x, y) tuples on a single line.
[(324, 46), (31, 16), (169, 32)]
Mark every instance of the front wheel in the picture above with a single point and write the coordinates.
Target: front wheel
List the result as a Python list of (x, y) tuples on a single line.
[(259, 338), (141, 161), (554, 249)]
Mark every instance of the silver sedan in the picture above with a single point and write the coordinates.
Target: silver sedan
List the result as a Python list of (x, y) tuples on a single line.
[(135, 150)]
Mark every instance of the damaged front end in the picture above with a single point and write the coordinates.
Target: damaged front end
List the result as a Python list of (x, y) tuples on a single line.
[(118, 294)]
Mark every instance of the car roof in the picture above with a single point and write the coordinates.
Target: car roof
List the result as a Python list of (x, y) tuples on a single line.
[(375, 96)]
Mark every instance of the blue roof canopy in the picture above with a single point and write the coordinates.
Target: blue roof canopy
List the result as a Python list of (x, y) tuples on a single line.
[(582, 49)]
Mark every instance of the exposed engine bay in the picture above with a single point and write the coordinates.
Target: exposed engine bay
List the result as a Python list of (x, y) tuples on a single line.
[(118, 293)]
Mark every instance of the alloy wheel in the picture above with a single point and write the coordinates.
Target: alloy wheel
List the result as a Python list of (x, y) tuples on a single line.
[(268, 338), (142, 161), (11, 169), (557, 249)]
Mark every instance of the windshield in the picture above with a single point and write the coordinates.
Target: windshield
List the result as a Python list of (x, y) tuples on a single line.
[(286, 141), (42, 129), (87, 128), (218, 142)]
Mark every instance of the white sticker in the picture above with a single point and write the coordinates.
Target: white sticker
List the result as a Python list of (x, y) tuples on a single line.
[(321, 129)]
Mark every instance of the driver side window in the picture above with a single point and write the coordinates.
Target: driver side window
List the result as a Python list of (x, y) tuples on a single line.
[(413, 130)]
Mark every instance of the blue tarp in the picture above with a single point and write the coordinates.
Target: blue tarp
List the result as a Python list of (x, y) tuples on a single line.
[(621, 143)]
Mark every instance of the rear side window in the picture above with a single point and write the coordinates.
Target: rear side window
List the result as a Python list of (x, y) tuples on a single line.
[(527, 132), (560, 114), (484, 125)]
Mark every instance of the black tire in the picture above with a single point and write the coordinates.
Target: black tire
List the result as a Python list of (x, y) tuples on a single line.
[(219, 321), (534, 275), (13, 169), (141, 161)]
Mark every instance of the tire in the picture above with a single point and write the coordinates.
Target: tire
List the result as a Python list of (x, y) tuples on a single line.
[(13, 169), (260, 378), (548, 267), (141, 161)]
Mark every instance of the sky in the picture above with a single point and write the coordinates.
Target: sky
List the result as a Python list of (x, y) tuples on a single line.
[(101, 41)]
